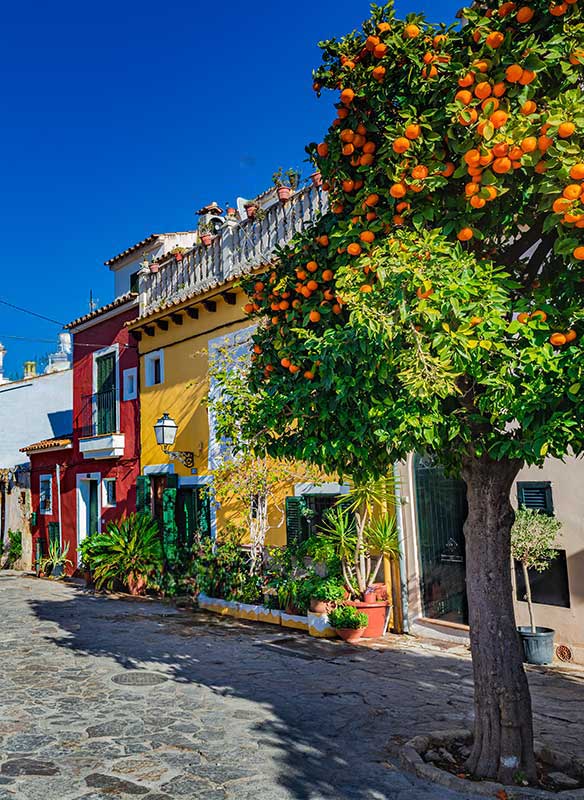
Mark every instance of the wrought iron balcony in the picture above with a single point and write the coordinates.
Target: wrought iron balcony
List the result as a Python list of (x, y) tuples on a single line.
[(99, 413), (235, 251)]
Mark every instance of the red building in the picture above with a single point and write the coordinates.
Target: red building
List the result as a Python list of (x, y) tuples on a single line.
[(80, 483)]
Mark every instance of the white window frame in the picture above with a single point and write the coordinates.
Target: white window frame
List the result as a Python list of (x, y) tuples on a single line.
[(130, 383), (104, 500), (204, 480), (115, 349), (220, 451), (149, 359), (46, 476)]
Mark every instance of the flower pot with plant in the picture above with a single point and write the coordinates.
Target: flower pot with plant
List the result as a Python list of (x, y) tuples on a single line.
[(325, 594), (316, 179), (251, 208), (285, 183), (206, 233), (178, 252), (362, 537), (533, 538), (349, 623), (55, 563)]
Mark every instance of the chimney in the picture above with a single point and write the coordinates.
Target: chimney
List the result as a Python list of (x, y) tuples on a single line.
[(29, 369)]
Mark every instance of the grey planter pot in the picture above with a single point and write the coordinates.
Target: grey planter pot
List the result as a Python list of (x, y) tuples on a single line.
[(538, 647)]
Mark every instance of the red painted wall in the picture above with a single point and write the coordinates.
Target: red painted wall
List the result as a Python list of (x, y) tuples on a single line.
[(125, 469)]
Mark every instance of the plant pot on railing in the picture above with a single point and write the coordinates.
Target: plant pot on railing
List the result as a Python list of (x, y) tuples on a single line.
[(206, 239), (538, 645), (251, 210), (285, 183), (284, 193), (154, 268)]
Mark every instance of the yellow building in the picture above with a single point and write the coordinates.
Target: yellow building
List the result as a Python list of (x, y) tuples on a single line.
[(190, 304)]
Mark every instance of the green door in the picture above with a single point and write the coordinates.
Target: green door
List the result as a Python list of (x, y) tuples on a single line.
[(105, 397), (92, 521)]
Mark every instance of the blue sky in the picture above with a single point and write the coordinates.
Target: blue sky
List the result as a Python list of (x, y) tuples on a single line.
[(121, 119)]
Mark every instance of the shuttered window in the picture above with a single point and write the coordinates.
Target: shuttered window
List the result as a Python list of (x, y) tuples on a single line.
[(537, 495), (296, 529)]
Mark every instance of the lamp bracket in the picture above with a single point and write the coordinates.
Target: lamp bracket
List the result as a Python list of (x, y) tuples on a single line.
[(186, 457)]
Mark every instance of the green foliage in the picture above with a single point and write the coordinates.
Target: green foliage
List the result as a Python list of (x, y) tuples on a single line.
[(221, 569), (381, 536), (55, 558), (534, 538), (14, 547), (347, 617), (130, 549), (329, 590)]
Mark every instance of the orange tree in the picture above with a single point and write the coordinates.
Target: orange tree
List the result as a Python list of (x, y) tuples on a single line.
[(438, 305)]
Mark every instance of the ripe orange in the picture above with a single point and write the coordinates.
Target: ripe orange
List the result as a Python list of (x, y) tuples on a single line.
[(354, 249), (449, 168), (248, 308), (328, 275), (486, 159), (380, 50), (491, 192), (348, 149), (398, 190), (498, 119), (577, 172), (366, 287), (371, 200), (347, 96), (411, 31), (515, 153), (558, 10), (466, 80), (367, 237), (513, 73), (490, 104), (312, 266), (314, 316), (412, 131), (420, 172), (495, 39), (379, 73), (369, 147), (294, 369), (558, 339), (572, 191), (477, 202), (430, 72), (366, 160), (566, 129), (371, 43), (312, 286), (323, 240), (501, 165), (347, 135), (383, 27), (529, 144), (561, 205), (322, 149), (348, 185), (571, 335), (525, 14), (579, 253), (342, 112), (336, 309), (544, 142), (464, 97), (523, 317), (285, 362), (577, 57), (309, 375), (499, 89), (438, 39), (423, 294), (469, 118), (483, 90), (506, 8), (482, 65), (401, 144), (472, 158), (397, 219), (464, 234), (528, 108), (527, 77), (538, 314), (471, 188)]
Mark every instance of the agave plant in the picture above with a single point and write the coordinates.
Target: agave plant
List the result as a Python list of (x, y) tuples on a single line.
[(130, 552), (56, 560)]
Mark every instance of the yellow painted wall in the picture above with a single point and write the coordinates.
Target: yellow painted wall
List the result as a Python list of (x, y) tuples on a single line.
[(183, 394)]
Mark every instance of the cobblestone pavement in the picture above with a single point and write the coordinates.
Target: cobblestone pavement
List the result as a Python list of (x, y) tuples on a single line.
[(242, 712)]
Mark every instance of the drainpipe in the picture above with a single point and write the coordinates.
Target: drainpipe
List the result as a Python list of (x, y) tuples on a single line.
[(58, 471), (402, 549)]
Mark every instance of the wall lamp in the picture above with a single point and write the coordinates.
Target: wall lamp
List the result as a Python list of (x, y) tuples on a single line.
[(165, 432)]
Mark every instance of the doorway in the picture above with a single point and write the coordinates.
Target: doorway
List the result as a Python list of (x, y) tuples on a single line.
[(88, 505)]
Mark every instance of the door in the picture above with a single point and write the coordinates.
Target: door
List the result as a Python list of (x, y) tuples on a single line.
[(441, 511), (88, 507), (92, 511), (105, 395), (193, 514)]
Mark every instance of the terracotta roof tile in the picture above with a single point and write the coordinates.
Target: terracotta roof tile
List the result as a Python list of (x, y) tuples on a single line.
[(119, 301), (138, 245), (48, 444)]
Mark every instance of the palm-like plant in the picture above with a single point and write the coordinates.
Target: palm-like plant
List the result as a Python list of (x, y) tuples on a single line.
[(129, 553)]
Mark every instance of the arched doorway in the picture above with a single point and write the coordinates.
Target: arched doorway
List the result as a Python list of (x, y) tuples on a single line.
[(441, 511)]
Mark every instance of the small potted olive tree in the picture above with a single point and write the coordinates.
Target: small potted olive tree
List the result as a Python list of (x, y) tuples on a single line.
[(285, 183), (533, 540), (349, 622)]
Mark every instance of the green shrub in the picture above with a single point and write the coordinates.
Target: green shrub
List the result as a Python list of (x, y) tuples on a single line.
[(221, 569), (329, 590), (14, 548), (348, 617), (129, 551)]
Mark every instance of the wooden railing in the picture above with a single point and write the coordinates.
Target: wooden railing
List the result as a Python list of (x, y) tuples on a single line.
[(236, 250)]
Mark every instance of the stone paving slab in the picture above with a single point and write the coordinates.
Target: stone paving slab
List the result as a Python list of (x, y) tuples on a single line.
[(246, 712)]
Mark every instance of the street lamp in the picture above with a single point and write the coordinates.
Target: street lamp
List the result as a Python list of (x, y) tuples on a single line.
[(165, 432)]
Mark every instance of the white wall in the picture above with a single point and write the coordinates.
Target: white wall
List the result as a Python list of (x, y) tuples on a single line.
[(34, 409), (124, 268)]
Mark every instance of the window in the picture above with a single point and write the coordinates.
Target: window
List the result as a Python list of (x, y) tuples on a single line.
[(46, 494), (135, 282), (130, 378), (109, 492), (154, 368), (550, 587), (105, 399), (536, 494)]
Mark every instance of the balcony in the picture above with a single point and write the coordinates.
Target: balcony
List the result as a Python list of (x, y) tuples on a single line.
[(236, 251), (99, 428)]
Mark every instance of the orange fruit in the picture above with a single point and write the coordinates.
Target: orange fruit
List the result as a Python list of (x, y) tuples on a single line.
[(294, 369), (466, 80), (429, 73), (495, 39), (566, 129), (383, 27), (397, 219), (499, 89), (347, 96), (379, 73), (561, 205), (312, 286), (528, 108), (543, 143), (506, 8), (558, 339), (371, 43), (448, 170), (483, 90), (523, 317), (371, 200), (423, 294), (366, 287), (501, 165), (369, 147), (571, 335), (323, 240), (367, 237), (486, 159), (577, 172), (538, 314), (529, 144), (579, 253), (498, 119), (477, 202), (469, 118), (438, 39), (525, 14), (248, 308), (309, 375), (527, 77), (491, 192), (464, 234), (336, 309), (285, 362), (472, 158), (420, 172), (513, 73), (572, 191), (577, 57), (558, 10), (482, 65), (354, 249), (380, 50), (322, 149), (464, 97), (342, 112), (328, 275), (401, 144), (366, 160), (398, 190), (314, 316), (348, 185), (475, 172), (515, 153), (411, 31), (412, 131), (501, 149), (471, 188), (347, 135), (312, 266)]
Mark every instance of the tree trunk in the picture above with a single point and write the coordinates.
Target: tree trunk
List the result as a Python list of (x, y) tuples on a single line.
[(528, 596), (503, 732)]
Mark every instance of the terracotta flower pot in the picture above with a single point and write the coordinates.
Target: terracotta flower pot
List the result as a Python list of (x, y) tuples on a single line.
[(320, 606), (251, 211), (206, 239), (178, 256), (136, 584), (377, 613), (284, 193), (154, 268), (316, 178), (350, 635)]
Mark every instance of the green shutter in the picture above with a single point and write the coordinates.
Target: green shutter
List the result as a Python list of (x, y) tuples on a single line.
[(172, 481), (169, 527), (203, 511), (295, 522), (54, 537), (33, 519), (537, 495), (143, 494)]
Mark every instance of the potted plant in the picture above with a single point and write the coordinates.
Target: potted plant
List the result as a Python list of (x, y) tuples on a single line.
[(177, 252), (325, 594), (55, 562), (285, 182), (533, 537), (251, 208), (349, 623), (206, 231), (362, 541)]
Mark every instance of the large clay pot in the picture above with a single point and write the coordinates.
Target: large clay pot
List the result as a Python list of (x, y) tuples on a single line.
[(350, 635), (136, 584), (284, 193), (251, 211), (376, 613)]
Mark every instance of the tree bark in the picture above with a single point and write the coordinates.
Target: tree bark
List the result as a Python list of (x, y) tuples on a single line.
[(503, 732)]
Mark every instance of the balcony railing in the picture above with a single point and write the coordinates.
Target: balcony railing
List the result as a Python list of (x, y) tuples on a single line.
[(99, 413), (235, 251)]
